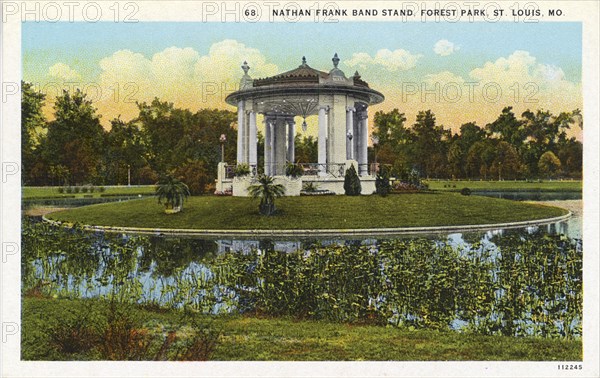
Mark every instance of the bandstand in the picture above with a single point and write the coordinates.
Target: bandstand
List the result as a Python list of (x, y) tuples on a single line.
[(341, 104)]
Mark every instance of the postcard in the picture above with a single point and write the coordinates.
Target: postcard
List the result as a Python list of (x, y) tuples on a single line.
[(299, 188)]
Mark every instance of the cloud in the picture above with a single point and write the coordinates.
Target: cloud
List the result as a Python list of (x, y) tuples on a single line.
[(63, 72), (443, 47), (179, 75), (397, 60), (518, 80)]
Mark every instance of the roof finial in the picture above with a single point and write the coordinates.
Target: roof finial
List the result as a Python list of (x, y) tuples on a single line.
[(245, 67), (304, 61), (335, 60)]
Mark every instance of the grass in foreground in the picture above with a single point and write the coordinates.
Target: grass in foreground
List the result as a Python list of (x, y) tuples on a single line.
[(328, 212), (37, 192), (245, 338), (513, 186)]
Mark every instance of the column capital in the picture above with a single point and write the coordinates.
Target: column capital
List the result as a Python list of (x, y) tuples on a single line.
[(363, 113), (350, 109), (324, 107)]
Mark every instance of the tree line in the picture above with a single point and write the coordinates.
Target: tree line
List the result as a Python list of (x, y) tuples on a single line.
[(532, 146), (74, 148)]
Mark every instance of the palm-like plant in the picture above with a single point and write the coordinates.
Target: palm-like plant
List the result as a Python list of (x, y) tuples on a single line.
[(267, 191), (172, 191)]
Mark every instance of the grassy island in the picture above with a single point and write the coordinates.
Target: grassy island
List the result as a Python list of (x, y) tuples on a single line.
[(326, 212)]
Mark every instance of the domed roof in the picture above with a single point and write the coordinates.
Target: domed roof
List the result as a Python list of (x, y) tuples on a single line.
[(303, 81), (305, 74)]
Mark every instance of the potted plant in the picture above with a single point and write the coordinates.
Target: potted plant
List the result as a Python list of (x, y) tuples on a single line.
[(267, 191), (173, 192), (293, 170)]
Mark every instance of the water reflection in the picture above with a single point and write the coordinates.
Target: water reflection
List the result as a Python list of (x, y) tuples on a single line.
[(515, 281)]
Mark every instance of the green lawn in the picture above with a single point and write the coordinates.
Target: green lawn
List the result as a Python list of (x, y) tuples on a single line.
[(314, 212), (37, 192), (260, 338), (517, 186)]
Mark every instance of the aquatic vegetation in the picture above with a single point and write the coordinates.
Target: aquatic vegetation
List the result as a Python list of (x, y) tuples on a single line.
[(522, 284)]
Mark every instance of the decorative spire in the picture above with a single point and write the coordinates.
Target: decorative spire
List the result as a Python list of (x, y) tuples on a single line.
[(356, 75), (303, 61), (245, 67), (335, 60)]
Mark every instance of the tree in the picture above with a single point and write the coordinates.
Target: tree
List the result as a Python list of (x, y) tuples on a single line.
[(571, 157), (430, 147), (75, 138), (174, 136), (507, 128), (194, 173), (507, 162), (33, 123), (125, 153), (267, 191), (172, 191), (306, 149), (549, 164), (352, 185)]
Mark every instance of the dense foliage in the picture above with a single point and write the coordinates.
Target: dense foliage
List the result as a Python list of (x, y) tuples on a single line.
[(521, 285), (533, 146), (74, 149)]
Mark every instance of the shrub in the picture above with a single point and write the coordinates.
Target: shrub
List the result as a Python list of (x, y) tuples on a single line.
[(92, 188), (76, 189), (69, 190), (74, 333), (352, 185), (61, 190), (465, 191), (146, 176), (121, 339), (84, 189), (382, 182), (241, 170), (293, 170), (201, 345), (101, 189), (194, 173)]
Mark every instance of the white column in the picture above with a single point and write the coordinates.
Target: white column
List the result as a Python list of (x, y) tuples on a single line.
[(252, 155), (322, 141), (240, 133), (364, 142), (291, 135), (350, 131), (268, 146), (280, 150)]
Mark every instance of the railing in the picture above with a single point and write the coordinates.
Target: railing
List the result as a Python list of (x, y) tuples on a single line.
[(335, 170), (316, 169)]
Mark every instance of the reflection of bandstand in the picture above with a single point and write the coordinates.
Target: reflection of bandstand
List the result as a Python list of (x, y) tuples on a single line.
[(341, 104)]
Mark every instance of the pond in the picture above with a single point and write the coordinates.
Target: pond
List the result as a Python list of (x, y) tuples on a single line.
[(520, 282), (531, 196)]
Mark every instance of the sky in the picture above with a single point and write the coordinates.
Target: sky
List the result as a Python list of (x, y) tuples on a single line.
[(463, 72)]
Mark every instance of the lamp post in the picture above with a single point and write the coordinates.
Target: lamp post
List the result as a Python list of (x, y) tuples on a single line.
[(128, 175), (223, 139)]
